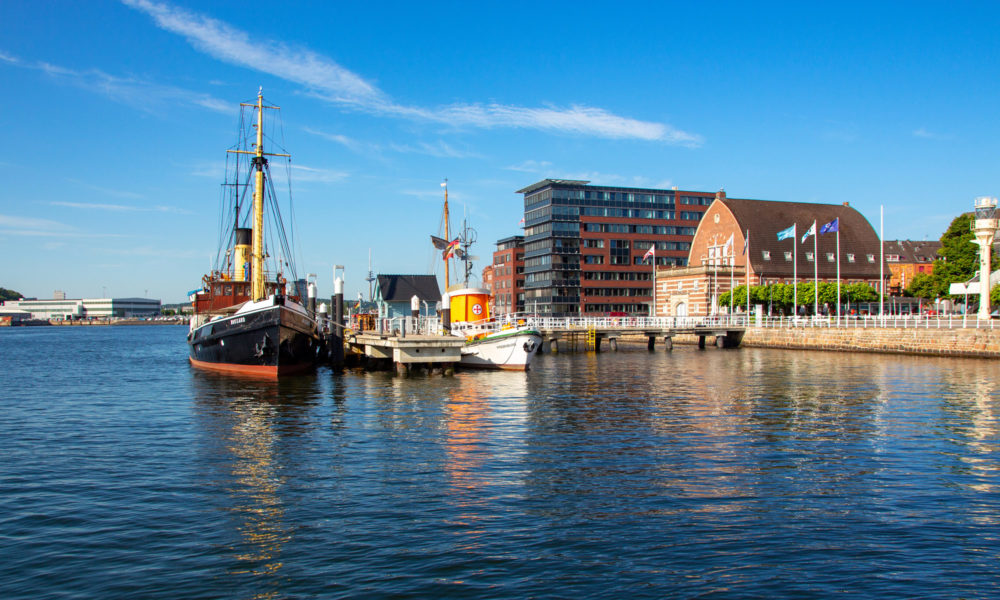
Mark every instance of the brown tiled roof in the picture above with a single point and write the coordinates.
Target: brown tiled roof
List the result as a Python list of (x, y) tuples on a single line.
[(765, 218), (913, 251)]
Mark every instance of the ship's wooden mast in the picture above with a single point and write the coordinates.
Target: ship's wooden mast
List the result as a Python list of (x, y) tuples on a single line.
[(257, 288), (257, 254), (447, 235)]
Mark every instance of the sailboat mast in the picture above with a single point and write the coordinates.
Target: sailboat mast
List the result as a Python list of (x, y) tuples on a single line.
[(447, 235), (257, 289)]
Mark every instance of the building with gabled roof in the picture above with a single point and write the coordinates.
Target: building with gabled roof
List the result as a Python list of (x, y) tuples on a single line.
[(393, 294), (907, 258), (721, 257)]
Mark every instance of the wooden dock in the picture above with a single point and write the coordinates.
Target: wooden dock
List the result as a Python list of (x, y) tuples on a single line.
[(408, 350)]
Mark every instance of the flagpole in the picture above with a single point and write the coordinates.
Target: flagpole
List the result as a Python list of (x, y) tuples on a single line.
[(881, 261), (838, 272), (732, 287), (654, 280), (795, 270), (815, 268), (747, 267)]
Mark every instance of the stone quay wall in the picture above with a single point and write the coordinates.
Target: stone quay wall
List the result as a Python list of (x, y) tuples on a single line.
[(983, 343)]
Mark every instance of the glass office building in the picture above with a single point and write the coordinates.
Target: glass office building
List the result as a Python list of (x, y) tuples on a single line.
[(584, 245)]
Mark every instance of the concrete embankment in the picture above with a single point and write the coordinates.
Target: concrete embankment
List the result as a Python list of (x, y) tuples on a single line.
[(983, 343)]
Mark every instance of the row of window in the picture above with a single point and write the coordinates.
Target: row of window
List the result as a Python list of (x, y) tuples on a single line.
[(617, 276), (697, 200), (830, 257), (647, 229), (617, 291)]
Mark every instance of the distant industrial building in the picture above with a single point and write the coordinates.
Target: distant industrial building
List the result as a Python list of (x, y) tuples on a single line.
[(85, 308)]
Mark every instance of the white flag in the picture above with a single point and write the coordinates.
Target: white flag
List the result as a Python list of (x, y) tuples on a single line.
[(812, 231)]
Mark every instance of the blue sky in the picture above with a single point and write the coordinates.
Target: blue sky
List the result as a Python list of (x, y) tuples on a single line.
[(115, 118)]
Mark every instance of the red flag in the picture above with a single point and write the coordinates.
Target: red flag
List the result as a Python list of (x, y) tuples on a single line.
[(450, 249), (649, 253)]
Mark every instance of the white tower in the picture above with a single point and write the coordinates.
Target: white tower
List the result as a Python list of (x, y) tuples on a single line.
[(985, 227)]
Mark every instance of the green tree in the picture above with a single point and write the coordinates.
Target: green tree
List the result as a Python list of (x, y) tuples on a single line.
[(923, 285), (995, 295), (6, 294), (959, 260)]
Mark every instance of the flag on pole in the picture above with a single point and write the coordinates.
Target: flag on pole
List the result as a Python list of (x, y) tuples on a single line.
[(439, 243), (831, 227), (451, 249), (729, 245), (746, 242), (649, 253), (811, 231), (522, 222), (784, 234)]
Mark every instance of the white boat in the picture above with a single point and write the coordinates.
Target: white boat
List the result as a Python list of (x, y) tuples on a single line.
[(508, 342)]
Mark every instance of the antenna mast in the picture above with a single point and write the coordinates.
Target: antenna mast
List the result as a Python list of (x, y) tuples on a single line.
[(371, 275)]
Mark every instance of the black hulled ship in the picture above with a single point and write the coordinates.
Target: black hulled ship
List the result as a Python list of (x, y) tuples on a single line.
[(245, 319)]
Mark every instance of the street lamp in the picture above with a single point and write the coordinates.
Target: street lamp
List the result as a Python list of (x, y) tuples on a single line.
[(984, 228)]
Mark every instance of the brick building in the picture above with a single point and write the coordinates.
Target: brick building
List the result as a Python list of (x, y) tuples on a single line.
[(584, 244), (719, 259), (906, 258), (508, 276)]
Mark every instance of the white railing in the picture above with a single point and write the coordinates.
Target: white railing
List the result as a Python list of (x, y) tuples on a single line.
[(433, 326)]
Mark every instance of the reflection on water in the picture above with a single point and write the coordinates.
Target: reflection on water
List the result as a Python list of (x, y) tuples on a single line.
[(752, 473), (244, 420)]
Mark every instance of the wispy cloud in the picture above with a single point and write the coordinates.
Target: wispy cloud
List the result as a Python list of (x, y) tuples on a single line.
[(33, 227), (532, 166), (326, 79), (439, 150), (312, 174), (120, 207), (107, 191), (350, 143), (140, 94), (930, 135)]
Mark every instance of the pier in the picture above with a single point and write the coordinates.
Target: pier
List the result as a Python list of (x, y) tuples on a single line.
[(593, 331)]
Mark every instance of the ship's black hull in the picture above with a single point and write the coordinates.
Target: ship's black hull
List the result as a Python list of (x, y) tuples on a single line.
[(269, 342)]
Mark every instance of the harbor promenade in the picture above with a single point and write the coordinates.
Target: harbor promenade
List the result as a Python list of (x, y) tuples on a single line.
[(956, 336)]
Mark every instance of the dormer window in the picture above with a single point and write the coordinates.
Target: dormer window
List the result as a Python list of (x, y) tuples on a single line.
[(809, 256), (829, 257), (767, 255), (871, 258), (850, 258), (788, 256)]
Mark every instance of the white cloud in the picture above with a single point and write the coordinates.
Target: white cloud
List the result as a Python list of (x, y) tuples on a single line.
[(119, 207), (929, 135), (144, 95), (28, 223), (328, 80), (532, 166), (311, 174), (439, 150), (349, 143)]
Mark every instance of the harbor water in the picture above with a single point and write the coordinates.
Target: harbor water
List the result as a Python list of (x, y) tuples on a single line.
[(719, 473)]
